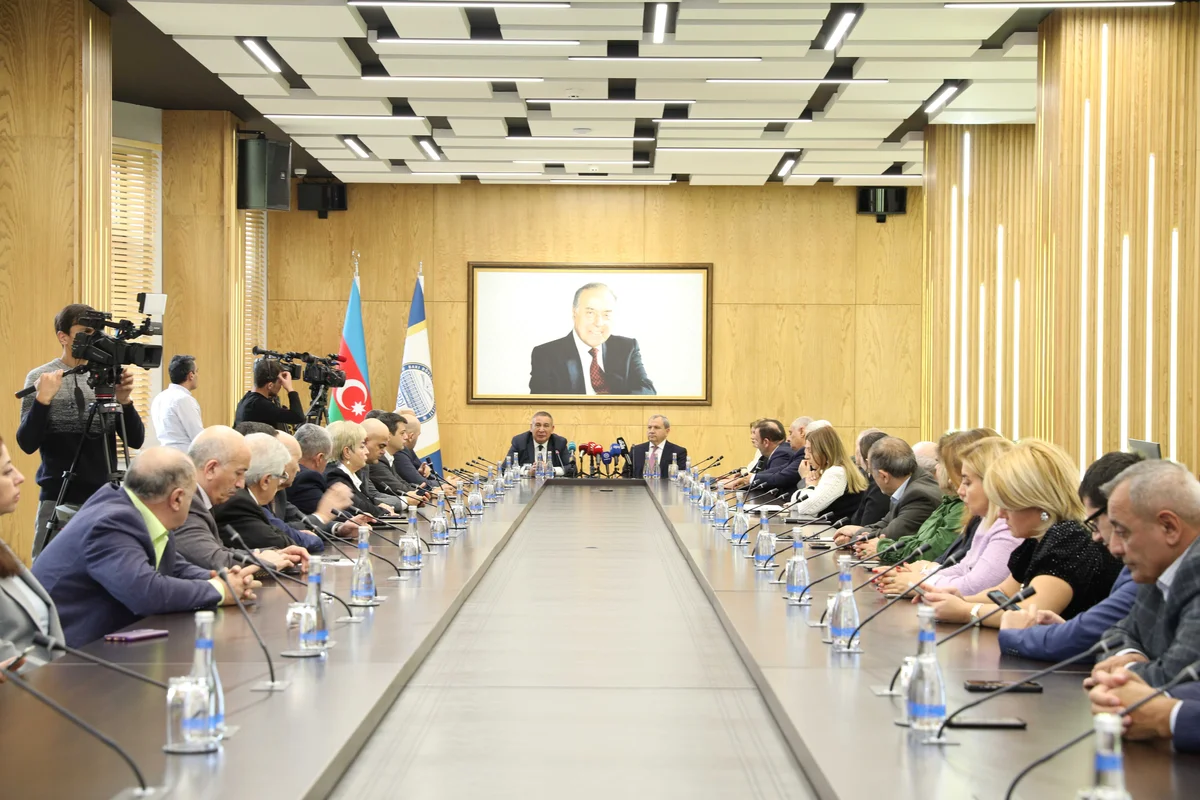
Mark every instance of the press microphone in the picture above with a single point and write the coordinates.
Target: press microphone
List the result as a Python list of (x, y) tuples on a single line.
[(484, 460), (280, 576), (571, 451), (49, 643), (606, 460), (811, 536), (143, 790), (1103, 646), (952, 560), (558, 458), (271, 685), (921, 549), (1189, 673)]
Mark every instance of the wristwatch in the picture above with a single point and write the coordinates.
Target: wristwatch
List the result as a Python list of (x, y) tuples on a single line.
[(975, 613)]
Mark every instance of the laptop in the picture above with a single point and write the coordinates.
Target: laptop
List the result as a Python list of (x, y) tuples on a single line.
[(1147, 449)]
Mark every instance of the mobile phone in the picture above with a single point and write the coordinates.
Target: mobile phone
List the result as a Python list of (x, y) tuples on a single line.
[(1028, 687), (818, 544), (917, 590), (136, 636), (1000, 598), (1008, 723)]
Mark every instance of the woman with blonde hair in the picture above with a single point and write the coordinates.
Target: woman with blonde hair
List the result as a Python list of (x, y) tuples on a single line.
[(834, 483), (1034, 488), (348, 457)]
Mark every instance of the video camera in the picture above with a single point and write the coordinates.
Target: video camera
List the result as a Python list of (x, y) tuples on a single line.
[(317, 371), (106, 356)]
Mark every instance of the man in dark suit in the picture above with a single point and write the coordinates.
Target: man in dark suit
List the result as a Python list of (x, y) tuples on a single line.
[(913, 493), (590, 360), (656, 450), (407, 463), (781, 464), (541, 438), (383, 472), (247, 510), (1174, 716), (309, 485), (1154, 510), (115, 561)]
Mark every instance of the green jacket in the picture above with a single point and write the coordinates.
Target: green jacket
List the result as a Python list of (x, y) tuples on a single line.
[(939, 531)]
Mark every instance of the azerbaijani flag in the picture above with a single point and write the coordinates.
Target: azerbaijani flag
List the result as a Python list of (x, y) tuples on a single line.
[(416, 379), (352, 401)]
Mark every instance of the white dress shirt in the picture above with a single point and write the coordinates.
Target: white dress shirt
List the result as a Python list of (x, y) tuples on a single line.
[(585, 357), (548, 455), (354, 478), (176, 417)]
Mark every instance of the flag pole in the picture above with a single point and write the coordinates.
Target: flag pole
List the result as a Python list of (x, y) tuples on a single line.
[(354, 255)]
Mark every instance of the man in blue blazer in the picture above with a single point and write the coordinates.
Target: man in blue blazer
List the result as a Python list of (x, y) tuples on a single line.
[(1174, 716), (115, 561), (781, 468), (590, 360), (1049, 638)]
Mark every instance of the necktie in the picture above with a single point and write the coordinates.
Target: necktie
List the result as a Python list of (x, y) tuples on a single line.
[(597, 374), (652, 462)]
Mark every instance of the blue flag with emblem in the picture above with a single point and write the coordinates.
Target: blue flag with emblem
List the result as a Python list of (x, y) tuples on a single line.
[(416, 379)]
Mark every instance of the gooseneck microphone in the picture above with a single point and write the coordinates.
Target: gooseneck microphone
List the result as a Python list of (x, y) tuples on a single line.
[(1103, 646), (277, 574), (713, 464), (921, 549), (949, 562), (1189, 673), (143, 790), (271, 685), (484, 460), (49, 643)]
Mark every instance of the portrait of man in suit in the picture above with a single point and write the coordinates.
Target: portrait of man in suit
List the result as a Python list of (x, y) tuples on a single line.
[(590, 360)]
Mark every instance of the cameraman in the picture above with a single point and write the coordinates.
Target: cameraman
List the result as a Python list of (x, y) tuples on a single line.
[(52, 421), (260, 404)]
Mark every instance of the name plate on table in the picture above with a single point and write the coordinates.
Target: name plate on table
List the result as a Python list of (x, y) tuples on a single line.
[(766, 508)]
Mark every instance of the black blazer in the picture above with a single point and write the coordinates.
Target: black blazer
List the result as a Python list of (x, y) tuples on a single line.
[(873, 505), (555, 367), (247, 517), (522, 448), (407, 464), (335, 474), (387, 480), (782, 471), (639, 452), (306, 491)]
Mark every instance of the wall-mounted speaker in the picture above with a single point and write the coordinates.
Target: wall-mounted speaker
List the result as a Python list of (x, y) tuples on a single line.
[(883, 201), (264, 167), (321, 198)]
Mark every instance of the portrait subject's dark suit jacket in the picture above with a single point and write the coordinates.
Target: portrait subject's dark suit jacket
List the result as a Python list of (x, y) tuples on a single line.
[(555, 368)]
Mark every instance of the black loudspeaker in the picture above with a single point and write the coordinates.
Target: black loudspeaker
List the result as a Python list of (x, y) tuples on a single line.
[(264, 167), (321, 198), (882, 202)]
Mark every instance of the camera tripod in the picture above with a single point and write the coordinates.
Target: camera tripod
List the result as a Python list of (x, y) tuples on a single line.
[(318, 409)]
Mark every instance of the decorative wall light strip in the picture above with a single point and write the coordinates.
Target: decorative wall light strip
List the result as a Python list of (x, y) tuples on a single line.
[(1150, 373), (1102, 191), (1084, 241), (1173, 415), (1124, 423), (953, 385), (999, 388), (981, 368), (965, 308), (1016, 381)]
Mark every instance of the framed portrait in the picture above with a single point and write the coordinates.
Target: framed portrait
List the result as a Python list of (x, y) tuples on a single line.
[(589, 333)]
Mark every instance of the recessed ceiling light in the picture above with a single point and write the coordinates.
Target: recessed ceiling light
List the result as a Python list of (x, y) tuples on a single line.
[(839, 32), (448, 79), (579, 138), (716, 122), (1068, 4), (429, 149), (481, 42), (354, 117), (660, 22), (258, 52), (697, 59), (786, 168), (798, 81), (941, 99), (609, 101), (456, 4), (354, 145)]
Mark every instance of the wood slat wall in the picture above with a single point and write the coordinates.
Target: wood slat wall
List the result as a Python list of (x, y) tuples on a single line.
[(1116, 88), (55, 129), (816, 309)]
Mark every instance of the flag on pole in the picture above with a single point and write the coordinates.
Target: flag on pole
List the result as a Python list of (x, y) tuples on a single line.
[(416, 379), (353, 400)]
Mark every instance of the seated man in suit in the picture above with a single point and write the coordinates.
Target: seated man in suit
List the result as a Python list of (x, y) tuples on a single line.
[(221, 459), (383, 472), (1174, 716), (914, 494), (115, 561), (328, 516), (309, 484), (590, 360), (656, 452), (378, 437), (541, 439), (245, 510), (1154, 510), (781, 464), (346, 460), (874, 503), (407, 463)]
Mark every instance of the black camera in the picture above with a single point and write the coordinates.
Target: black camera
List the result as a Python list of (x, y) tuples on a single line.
[(317, 371), (106, 356)]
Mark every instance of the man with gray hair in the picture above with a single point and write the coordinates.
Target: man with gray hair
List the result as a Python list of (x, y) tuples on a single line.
[(541, 442), (1154, 511), (914, 495), (927, 456), (590, 360), (246, 510), (115, 561), (656, 453), (309, 486)]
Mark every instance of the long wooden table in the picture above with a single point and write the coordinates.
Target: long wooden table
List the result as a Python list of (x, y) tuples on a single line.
[(298, 743)]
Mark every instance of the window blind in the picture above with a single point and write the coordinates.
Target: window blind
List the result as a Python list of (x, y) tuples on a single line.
[(254, 302)]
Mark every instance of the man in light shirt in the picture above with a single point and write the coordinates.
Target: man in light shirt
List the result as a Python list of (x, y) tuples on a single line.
[(175, 413)]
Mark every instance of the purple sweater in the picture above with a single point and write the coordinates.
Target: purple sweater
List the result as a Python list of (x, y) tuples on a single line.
[(985, 565)]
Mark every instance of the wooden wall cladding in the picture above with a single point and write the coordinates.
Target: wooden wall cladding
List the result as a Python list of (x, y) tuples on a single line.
[(55, 147), (810, 300), (1119, 226)]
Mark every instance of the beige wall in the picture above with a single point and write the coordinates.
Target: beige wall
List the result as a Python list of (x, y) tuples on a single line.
[(816, 309)]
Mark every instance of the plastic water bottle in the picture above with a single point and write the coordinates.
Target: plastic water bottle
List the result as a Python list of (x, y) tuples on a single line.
[(721, 511), (362, 587), (795, 575), (697, 488), (673, 470), (764, 545), (474, 500), (926, 688), (498, 483), (458, 509), (412, 519), (706, 499), (1110, 764), (489, 489), (204, 666), (315, 637), (539, 467), (740, 526), (843, 619), (410, 550)]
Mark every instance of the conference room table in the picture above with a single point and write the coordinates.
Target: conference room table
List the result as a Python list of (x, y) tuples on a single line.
[(299, 742)]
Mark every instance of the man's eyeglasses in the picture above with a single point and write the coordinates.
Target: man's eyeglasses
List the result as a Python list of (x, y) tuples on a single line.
[(1092, 523)]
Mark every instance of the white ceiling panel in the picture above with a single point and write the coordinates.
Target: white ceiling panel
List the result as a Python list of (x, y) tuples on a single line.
[(436, 23), (472, 167), (1021, 45), (298, 18), (384, 126), (977, 68), (555, 155), (470, 126), (711, 110), (897, 180), (733, 92), (557, 66), (393, 146), (319, 105), (318, 142), (897, 112), (918, 49), (767, 49), (357, 165), (468, 108), (890, 92), (951, 117), (703, 30), (631, 33), (686, 135), (317, 56), (831, 168), (595, 89), (223, 56), (726, 12), (842, 129), (261, 85), (926, 23), (451, 49), (592, 169), (674, 161), (566, 127), (394, 177), (728, 180), (864, 157), (357, 87), (988, 95), (577, 16), (340, 153), (628, 111)]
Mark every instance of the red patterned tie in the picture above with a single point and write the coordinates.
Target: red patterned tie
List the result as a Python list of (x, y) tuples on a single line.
[(597, 374)]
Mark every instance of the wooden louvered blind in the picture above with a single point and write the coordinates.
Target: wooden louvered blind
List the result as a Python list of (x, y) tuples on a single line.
[(254, 302), (135, 217)]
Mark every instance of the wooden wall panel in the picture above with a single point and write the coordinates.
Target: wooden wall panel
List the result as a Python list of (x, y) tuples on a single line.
[(798, 280), (1118, 88), (55, 102)]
